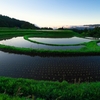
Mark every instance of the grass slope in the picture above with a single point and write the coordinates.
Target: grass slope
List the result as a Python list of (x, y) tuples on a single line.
[(48, 90)]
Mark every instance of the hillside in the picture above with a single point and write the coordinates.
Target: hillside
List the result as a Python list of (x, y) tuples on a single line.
[(93, 25), (6, 21)]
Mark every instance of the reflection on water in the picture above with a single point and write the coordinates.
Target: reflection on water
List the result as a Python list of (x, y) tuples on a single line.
[(92, 38), (50, 68), (73, 40), (98, 44), (20, 42)]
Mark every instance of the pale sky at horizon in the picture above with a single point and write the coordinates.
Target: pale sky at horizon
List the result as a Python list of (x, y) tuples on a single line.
[(50, 13)]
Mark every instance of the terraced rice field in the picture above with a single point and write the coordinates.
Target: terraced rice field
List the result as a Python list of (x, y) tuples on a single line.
[(69, 68)]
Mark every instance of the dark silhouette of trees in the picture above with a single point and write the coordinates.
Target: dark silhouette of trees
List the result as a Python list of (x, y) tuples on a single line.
[(61, 28), (46, 28), (95, 32), (6, 21), (91, 32), (78, 30)]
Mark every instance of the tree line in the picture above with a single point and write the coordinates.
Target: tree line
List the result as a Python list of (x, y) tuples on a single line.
[(95, 32), (91, 32), (6, 21)]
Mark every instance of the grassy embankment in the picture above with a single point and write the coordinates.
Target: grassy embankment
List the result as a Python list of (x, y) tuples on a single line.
[(48, 90), (7, 33), (91, 48)]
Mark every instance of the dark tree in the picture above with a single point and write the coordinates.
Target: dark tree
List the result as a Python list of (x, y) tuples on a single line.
[(6, 21)]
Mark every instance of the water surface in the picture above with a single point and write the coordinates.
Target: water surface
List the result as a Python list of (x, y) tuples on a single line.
[(73, 40), (70, 69), (21, 42)]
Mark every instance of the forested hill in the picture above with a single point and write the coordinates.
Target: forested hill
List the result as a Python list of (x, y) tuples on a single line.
[(6, 21)]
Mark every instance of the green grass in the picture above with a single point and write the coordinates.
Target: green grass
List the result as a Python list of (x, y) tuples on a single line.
[(13, 32), (5, 96), (56, 34), (8, 97), (48, 90)]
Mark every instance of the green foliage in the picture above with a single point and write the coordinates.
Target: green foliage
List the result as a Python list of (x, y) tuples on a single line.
[(95, 32), (92, 32), (9, 97), (6, 21), (48, 90)]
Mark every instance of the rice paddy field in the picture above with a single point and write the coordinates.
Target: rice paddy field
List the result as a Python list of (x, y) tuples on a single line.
[(58, 65)]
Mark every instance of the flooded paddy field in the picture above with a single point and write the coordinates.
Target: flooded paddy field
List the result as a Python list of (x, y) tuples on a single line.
[(21, 42), (71, 69), (71, 40)]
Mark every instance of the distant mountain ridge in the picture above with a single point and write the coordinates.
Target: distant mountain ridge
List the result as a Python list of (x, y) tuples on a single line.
[(6, 21), (81, 27), (93, 25)]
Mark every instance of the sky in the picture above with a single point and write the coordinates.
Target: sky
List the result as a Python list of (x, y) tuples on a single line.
[(53, 13)]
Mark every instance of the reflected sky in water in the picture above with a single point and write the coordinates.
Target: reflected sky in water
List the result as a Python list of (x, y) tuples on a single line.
[(21, 42), (73, 40)]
